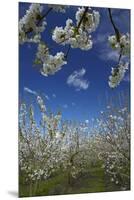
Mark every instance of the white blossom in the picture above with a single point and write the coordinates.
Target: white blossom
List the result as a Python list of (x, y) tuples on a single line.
[(90, 21), (58, 8), (69, 35), (81, 40), (50, 64), (59, 34), (29, 23), (42, 52), (123, 45), (117, 74), (75, 35), (41, 104), (53, 64)]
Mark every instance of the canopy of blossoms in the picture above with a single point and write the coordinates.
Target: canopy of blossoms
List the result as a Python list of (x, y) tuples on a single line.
[(75, 34)]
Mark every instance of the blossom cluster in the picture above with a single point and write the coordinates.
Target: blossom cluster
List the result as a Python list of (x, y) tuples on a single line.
[(31, 25), (90, 21), (117, 74), (123, 45), (58, 8), (78, 36), (51, 64)]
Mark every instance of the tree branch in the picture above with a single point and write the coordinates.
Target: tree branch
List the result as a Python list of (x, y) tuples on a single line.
[(84, 14), (43, 16), (120, 57), (117, 33)]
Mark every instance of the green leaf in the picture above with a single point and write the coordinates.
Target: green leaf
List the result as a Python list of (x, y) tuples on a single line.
[(37, 62)]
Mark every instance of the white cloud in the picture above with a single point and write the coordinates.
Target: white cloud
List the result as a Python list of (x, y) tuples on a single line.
[(86, 121), (110, 54), (73, 104), (65, 106), (47, 97), (76, 79), (28, 90), (54, 95), (101, 38)]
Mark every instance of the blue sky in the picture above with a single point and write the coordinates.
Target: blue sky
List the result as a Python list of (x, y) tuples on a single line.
[(76, 104)]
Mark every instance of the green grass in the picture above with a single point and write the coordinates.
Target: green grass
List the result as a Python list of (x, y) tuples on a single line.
[(93, 181)]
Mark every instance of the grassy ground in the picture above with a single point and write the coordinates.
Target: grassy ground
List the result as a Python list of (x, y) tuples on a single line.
[(93, 181)]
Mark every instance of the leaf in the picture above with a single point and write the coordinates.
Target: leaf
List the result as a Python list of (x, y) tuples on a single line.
[(37, 62)]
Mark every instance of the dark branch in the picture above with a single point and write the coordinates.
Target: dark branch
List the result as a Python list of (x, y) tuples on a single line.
[(83, 16), (117, 33), (43, 16), (120, 56)]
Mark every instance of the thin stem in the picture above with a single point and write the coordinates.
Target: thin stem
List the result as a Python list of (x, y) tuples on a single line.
[(67, 51), (120, 57), (117, 33), (43, 16)]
